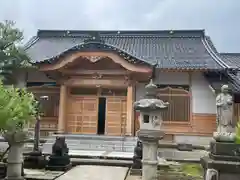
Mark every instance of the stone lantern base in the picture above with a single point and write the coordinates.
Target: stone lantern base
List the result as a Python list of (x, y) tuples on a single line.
[(223, 161), (150, 139)]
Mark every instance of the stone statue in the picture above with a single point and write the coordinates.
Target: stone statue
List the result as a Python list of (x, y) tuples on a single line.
[(137, 158), (225, 126), (59, 159), (60, 148)]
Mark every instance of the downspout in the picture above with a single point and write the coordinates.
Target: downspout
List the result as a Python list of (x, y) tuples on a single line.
[(154, 71)]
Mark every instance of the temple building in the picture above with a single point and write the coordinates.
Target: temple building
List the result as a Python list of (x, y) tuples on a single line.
[(92, 79)]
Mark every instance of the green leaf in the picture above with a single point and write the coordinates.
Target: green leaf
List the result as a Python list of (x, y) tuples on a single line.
[(17, 108), (12, 53)]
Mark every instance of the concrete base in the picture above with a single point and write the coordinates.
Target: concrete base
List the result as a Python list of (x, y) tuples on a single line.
[(21, 178), (223, 169), (135, 172), (59, 168), (59, 163), (34, 162), (225, 176)]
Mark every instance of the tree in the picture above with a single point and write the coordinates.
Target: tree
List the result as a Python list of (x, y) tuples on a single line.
[(17, 108), (12, 54)]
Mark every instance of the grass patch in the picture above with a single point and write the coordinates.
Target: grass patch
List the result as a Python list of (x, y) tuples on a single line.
[(192, 169), (184, 170)]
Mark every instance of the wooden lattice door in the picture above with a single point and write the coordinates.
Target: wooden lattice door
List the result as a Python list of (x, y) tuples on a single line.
[(83, 115), (116, 113)]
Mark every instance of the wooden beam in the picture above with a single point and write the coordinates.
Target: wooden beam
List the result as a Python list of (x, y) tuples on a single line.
[(91, 72), (130, 97), (76, 81), (115, 58), (62, 109)]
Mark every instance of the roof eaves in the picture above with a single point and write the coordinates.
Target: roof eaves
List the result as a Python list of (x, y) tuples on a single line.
[(110, 47), (214, 55), (31, 42), (160, 33), (235, 82), (226, 53)]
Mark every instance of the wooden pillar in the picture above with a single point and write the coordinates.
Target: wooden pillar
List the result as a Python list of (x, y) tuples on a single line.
[(130, 110), (62, 109)]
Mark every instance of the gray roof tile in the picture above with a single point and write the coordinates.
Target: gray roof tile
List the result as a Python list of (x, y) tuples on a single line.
[(232, 59), (216, 80), (169, 49)]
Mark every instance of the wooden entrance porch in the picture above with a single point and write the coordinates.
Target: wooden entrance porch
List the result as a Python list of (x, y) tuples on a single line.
[(96, 92)]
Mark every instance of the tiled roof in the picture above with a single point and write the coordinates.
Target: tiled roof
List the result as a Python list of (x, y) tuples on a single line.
[(181, 49), (216, 80), (232, 59)]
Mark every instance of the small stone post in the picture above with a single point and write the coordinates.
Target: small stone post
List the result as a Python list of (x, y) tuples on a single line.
[(150, 129)]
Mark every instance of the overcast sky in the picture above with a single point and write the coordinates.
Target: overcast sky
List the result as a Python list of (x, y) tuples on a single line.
[(220, 18)]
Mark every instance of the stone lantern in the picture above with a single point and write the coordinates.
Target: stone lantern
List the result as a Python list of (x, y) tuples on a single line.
[(150, 132)]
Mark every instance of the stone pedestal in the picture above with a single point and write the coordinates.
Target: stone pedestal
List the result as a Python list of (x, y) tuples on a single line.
[(59, 160), (223, 161), (15, 162), (59, 163), (34, 160), (150, 140)]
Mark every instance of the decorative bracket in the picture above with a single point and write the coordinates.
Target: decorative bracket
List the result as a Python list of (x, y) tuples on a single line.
[(93, 58)]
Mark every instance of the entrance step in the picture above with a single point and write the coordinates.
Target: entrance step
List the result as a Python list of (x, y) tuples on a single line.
[(95, 173), (93, 142)]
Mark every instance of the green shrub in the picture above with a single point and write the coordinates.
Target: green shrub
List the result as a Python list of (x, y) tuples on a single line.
[(237, 139), (17, 108)]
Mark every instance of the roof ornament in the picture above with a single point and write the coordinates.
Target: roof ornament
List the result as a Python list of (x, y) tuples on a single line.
[(150, 101), (95, 37), (151, 89)]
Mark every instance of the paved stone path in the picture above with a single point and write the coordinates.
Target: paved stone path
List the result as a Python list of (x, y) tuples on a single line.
[(41, 174), (95, 173)]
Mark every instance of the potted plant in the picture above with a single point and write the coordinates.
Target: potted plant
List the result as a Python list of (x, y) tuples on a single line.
[(17, 109)]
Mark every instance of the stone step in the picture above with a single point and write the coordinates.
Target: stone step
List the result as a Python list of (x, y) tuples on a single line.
[(47, 148), (105, 162), (82, 141), (97, 144), (97, 137), (94, 142)]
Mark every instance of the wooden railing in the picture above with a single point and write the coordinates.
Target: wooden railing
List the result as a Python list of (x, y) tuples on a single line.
[(179, 104)]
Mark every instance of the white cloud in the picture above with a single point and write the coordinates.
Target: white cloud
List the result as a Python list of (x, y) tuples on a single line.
[(218, 17)]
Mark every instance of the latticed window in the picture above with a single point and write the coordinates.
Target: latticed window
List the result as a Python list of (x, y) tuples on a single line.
[(49, 100), (179, 103), (49, 106)]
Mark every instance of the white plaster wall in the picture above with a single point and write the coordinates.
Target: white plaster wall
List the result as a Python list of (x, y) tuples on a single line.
[(176, 78), (203, 99)]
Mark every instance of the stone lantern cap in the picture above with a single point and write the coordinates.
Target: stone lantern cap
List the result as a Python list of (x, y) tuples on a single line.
[(150, 102)]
